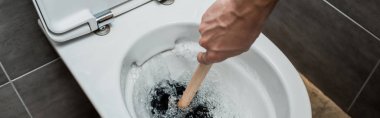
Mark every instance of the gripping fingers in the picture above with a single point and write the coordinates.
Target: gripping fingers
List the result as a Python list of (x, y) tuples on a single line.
[(210, 57)]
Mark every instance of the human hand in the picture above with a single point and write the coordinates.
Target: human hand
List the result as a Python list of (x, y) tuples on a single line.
[(229, 27)]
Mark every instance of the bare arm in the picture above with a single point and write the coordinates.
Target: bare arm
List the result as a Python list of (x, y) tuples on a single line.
[(229, 27)]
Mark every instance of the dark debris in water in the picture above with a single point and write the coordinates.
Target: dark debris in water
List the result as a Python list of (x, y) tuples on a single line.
[(160, 102), (199, 112)]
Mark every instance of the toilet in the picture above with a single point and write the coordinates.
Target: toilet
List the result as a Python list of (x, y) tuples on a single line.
[(101, 41)]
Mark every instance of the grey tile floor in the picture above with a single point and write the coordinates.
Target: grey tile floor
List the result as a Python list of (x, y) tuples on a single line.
[(364, 12), (45, 92), (52, 91), (23, 46), (336, 54), (10, 105), (45, 88), (3, 78), (367, 105)]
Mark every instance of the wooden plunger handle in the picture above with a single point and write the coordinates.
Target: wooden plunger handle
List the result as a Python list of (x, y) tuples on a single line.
[(193, 85)]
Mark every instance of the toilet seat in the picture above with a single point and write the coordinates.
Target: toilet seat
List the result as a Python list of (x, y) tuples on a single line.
[(95, 61)]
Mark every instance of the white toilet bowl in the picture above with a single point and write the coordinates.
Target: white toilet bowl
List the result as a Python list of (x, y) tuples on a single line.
[(101, 64)]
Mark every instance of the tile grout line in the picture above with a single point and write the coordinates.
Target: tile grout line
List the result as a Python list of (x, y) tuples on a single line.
[(3, 72), (14, 88), (352, 20), (46, 64), (364, 85), (5, 84)]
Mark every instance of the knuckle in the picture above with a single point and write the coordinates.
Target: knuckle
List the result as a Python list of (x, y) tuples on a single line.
[(202, 28), (203, 42), (216, 47)]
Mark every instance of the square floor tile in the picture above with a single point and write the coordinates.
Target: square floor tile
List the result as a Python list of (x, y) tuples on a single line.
[(52, 92)]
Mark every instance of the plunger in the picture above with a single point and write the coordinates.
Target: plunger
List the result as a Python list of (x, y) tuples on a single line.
[(193, 85)]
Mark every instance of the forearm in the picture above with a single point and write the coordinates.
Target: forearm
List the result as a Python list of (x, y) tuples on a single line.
[(257, 10), (229, 27)]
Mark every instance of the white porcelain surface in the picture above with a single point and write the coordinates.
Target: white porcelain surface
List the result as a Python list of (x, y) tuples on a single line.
[(96, 61)]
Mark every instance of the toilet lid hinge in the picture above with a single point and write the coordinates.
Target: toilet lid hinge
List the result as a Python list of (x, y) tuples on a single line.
[(104, 18)]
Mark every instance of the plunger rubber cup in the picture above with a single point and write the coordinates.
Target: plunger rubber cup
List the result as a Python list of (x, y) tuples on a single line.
[(193, 85)]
